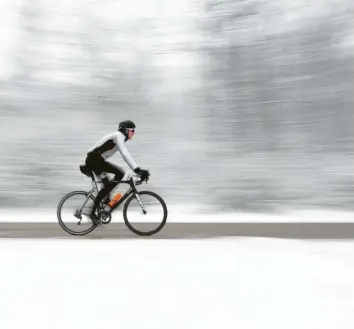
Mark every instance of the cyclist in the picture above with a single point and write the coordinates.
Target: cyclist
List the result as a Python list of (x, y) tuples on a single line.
[(104, 148)]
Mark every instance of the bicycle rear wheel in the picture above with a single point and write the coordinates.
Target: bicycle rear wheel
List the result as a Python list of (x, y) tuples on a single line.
[(71, 217), (150, 222)]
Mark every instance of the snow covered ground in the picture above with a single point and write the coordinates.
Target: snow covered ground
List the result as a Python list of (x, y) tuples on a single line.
[(243, 283)]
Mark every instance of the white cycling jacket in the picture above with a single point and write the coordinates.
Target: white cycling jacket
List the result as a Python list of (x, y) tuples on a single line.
[(110, 144)]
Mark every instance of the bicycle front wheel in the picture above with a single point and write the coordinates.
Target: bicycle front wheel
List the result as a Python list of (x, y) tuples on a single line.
[(73, 213), (145, 213)]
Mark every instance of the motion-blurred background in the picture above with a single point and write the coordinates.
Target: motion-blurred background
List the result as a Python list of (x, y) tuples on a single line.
[(240, 105)]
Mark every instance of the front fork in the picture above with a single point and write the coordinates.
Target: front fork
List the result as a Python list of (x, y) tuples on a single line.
[(137, 196)]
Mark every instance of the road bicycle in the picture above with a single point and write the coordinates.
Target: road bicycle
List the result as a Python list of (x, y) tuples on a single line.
[(95, 215)]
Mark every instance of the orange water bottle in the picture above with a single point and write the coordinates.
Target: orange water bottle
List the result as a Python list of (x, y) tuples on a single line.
[(115, 199)]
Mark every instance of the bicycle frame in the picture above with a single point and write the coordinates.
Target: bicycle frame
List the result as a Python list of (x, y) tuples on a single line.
[(132, 190)]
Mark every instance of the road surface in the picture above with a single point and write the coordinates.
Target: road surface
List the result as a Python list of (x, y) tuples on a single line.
[(189, 231)]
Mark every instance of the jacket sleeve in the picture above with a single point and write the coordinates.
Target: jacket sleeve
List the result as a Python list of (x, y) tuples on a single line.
[(120, 140)]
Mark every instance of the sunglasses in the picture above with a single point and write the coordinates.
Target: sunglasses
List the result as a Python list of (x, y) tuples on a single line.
[(131, 129)]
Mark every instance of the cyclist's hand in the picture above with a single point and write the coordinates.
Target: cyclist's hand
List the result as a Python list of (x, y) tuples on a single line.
[(144, 174)]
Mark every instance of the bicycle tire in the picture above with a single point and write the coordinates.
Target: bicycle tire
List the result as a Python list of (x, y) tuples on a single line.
[(61, 222), (154, 231)]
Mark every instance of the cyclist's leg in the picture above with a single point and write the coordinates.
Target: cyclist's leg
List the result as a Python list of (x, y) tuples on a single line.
[(108, 167), (103, 177), (100, 167)]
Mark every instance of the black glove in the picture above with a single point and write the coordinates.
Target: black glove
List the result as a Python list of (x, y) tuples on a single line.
[(144, 174)]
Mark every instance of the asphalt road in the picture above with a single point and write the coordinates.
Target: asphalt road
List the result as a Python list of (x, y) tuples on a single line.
[(189, 231)]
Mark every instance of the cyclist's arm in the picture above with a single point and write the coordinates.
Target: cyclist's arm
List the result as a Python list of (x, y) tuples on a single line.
[(124, 152)]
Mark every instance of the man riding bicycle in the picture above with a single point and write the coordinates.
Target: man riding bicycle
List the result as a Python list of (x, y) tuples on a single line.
[(104, 148)]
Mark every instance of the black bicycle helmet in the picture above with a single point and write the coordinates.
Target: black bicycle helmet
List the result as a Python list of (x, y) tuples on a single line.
[(124, 125)]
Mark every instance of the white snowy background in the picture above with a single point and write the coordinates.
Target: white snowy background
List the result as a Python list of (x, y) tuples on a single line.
[(240, 105)]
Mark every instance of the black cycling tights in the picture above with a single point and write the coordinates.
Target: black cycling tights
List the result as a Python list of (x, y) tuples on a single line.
[(99, 165)]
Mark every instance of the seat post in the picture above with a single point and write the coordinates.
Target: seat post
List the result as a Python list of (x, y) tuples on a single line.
[(94, 182)]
